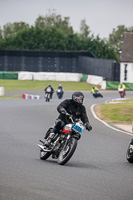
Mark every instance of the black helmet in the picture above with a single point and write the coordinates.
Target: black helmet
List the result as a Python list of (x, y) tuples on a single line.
[(78, 97)]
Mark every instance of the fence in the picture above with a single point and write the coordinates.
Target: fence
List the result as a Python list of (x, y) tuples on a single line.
[(41, 61)]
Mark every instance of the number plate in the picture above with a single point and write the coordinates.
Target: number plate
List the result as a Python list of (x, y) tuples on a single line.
[(78, 127)]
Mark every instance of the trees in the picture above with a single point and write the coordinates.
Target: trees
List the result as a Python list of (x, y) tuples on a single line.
[(53, 20), (54, 33), (84, 29), (11, 29)]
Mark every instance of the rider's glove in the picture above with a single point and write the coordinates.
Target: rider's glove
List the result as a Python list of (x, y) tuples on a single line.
[(63, 111), (88, 126)]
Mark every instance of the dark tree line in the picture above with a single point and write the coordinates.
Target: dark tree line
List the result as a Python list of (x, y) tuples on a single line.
[(54, 33)]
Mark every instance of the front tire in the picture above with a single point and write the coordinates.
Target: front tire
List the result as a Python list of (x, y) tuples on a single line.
[(44, 155), (67, 153)]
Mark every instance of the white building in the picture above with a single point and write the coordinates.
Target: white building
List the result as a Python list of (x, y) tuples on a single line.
[(126, 59)]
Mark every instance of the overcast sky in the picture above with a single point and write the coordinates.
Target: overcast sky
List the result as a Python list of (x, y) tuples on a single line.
[(101, 15)]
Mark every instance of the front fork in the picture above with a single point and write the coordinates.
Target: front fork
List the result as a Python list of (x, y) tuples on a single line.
[(66, 142)]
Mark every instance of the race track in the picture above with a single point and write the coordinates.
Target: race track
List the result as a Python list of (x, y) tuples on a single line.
[(97, 171)]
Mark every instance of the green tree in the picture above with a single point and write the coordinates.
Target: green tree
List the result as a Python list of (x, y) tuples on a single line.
[(10, 29), (54, 33), (54, 20), (84, 29), (47, 39)]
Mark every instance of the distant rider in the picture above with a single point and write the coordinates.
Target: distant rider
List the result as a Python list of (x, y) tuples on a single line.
[(122, 86), (49, 89), (94, 91), (60, 90)]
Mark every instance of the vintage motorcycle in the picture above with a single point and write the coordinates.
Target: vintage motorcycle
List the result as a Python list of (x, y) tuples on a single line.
[(65, 142), (129, 154)]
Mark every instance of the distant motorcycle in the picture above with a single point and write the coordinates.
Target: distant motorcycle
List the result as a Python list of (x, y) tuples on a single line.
[(47, 96), (129, 154), (64, 144), (121, 92), (59, 93), (97, 94)]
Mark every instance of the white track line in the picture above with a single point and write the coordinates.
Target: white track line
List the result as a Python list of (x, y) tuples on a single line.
[(95, 116)]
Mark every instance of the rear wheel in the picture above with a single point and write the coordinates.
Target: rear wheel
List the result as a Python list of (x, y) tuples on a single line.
[(67, 152), (129, 154), (44, 155)]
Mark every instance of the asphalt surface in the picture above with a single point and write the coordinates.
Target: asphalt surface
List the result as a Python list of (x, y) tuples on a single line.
[(98, 169)]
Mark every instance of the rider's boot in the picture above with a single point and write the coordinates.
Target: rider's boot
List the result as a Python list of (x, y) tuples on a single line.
[(49, 139)]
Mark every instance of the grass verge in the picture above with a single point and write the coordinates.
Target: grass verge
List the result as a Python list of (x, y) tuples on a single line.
[(18, 85), (122, 112)]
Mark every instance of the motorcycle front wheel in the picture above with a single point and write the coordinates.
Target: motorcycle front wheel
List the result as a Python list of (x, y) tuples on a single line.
[(47, 99), (67, 152), (44, 155), (129, 154)]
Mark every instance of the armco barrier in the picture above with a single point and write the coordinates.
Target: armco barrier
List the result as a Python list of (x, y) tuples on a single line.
[(49, 76), (26, 76), (96, 80), (30, 96)]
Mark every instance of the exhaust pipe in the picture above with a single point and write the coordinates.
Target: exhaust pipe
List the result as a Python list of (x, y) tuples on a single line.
[(42, 148)]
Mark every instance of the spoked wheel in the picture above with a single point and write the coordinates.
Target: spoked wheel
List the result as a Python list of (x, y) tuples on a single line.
[(44, 155), (129, 154), (67, 152)]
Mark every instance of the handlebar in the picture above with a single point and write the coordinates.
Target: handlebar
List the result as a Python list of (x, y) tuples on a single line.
[(71, 118)]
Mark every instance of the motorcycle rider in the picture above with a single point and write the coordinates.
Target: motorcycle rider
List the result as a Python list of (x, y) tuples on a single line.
[(122, 86), (73, 107), (60, 88), (94, 91), (49, 89)]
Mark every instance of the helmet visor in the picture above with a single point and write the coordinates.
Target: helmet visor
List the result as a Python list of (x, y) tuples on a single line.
[(79, 99)]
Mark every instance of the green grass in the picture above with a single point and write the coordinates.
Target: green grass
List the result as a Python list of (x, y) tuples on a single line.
[(128, 101), (118, 112), (11, 97), (18, 85)]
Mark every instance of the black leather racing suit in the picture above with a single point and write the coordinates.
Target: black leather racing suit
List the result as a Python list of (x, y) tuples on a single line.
[(75, 109)]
